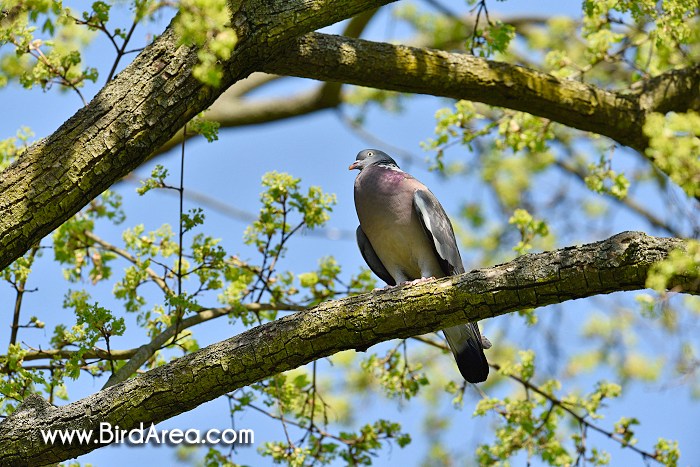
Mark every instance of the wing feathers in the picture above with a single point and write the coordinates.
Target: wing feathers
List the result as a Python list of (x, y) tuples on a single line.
[(371, 258), (438, 227)]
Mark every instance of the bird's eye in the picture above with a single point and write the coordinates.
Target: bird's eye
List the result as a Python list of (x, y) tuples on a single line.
[(370, 154)]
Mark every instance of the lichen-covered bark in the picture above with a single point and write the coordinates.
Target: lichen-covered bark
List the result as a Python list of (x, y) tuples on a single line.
[(618, 115), (619, 263), (138, 112)]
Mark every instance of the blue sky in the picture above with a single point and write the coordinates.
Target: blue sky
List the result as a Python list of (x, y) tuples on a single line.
[(318, 149)]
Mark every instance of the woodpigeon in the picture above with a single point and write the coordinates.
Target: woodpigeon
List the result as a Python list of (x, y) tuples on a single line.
[(405, 235)]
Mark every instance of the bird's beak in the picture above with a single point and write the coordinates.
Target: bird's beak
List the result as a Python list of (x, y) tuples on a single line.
[(354, 165)]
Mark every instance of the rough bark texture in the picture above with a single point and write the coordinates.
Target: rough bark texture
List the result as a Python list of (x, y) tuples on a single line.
[(138, 112), (619, 263), (617, 115)]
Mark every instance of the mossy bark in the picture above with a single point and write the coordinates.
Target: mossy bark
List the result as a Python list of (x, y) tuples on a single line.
[(618, 115)]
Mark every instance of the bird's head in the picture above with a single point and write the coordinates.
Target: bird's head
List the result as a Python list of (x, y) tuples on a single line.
[(368, 157)]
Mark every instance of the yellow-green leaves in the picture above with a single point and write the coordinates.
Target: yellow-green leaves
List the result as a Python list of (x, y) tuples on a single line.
[(10, 148), (603, 179), (156, 180), (493, 38), (394, 374), (285, 210), (93, 323), (322, 283), (205, 23), (13, 388), (527, 423), (674, 145), (679, 263), (667, 452), (453, 124), (282, 202), (76, 251), (531, 421), (40, 61), (207, 128), (529, 228)]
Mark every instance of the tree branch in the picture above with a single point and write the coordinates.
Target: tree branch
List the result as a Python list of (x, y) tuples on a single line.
[(619, 263), (233, 111), (617, 115), (675, 91)]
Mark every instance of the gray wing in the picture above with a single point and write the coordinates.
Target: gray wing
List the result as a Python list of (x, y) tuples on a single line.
[(438, 227), (465, 340), (371, 258)]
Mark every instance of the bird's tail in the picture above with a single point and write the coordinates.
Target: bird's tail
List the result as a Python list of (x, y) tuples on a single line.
[(467, 345)]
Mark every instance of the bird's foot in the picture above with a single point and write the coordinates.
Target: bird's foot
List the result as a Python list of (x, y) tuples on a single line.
[(418, 281), (414, 281)]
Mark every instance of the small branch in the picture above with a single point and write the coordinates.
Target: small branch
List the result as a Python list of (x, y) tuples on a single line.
[(121, 50), (159, 281), (106, 336), (96, 353), (206, 314), (146, 351), (20, 291), (579, 418), (298, 425), (231, 111), (179, 312), (618, 115)]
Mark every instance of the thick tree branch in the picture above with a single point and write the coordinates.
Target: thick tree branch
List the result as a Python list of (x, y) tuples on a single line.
[(675, 91), (233, 110), (617, 115), (619, 263), (138, 112)]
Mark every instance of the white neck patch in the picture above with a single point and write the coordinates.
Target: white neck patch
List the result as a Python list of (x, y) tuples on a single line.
[(390, 167)]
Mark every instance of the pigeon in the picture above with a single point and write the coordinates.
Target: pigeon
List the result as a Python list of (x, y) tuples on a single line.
[(405, 236)]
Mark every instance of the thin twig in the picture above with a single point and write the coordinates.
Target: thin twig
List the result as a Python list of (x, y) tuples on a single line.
[(120, 51), (20, 288), (159, 281)]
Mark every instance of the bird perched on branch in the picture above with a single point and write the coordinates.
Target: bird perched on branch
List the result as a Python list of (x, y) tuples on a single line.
[(405, 235)]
